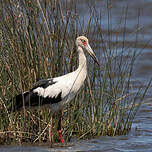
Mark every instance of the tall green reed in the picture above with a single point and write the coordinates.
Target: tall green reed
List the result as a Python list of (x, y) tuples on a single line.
[(38, 41)]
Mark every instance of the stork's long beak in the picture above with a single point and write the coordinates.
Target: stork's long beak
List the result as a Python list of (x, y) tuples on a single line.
[(90, 51)]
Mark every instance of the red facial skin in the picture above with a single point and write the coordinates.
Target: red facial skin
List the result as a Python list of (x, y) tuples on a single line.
[(84, 43)]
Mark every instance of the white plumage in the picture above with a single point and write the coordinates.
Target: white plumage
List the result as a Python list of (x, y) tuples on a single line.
[(59, 91), (68, 85)]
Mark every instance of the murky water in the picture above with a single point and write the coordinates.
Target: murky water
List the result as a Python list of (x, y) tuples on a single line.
[(140, 137)]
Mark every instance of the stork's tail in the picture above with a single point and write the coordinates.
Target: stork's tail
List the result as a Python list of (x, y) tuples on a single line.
[(16, 103)]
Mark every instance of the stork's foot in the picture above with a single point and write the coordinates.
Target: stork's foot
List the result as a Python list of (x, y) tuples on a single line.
[(60, 135)]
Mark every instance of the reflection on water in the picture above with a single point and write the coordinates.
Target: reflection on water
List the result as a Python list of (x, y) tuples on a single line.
[(140, 138)]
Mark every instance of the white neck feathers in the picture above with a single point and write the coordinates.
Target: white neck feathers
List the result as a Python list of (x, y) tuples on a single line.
[(82, 59)]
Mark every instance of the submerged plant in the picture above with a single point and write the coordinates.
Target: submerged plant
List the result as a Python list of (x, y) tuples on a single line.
[(37, 40)]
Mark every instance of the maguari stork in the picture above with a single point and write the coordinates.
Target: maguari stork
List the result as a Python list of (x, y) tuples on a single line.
[(57, 92)]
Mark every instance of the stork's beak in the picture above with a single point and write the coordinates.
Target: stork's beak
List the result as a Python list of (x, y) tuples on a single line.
[(90, 51)]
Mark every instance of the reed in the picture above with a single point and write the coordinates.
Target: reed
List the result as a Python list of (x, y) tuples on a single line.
[(37, 40)]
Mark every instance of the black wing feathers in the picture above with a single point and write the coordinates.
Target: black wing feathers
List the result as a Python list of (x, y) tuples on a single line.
[(44, 83), (33, 99)]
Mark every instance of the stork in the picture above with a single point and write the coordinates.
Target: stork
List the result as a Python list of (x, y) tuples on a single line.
[(57, 92)]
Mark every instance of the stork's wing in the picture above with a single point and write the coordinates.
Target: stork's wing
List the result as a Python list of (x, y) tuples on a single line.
[(44, 92), (44, 83)]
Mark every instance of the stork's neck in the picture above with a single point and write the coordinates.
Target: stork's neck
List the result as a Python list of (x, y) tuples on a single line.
[(82, 60)]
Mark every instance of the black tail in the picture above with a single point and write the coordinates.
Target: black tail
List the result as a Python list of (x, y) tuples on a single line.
[(17, 102), (31, 99)]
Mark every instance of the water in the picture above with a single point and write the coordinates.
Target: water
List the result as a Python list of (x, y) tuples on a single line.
[(140, 137)]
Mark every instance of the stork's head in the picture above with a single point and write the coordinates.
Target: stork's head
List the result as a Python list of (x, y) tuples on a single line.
[(82, 42)]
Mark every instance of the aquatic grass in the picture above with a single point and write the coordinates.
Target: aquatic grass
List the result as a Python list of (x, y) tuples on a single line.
[(37, 40)]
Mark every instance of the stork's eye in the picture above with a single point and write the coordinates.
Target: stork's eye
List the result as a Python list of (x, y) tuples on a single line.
[(83, 42)]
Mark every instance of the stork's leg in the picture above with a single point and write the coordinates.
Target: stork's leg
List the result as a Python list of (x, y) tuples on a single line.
[(60, 126), (50, 131)]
